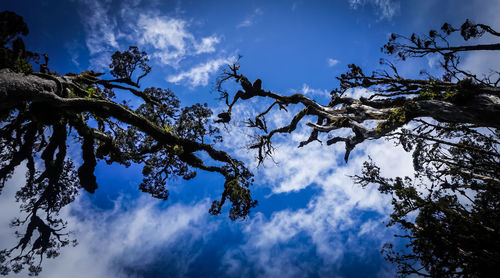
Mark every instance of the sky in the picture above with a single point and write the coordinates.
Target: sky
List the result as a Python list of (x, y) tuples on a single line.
[(311, 221)]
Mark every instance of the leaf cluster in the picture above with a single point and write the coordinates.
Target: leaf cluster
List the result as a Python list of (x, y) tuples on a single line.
[(44, 116), (450, 125)]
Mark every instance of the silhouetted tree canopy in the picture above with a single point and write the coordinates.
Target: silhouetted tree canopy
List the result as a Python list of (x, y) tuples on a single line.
[(449, 212), (42, 113)]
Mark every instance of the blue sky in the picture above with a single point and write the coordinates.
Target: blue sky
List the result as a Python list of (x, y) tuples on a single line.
[(311, 220)]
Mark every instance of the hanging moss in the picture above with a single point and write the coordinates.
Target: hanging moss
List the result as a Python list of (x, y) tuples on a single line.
[(90, 93), (71, 92), (177, 149), (9, 60), (168, 128), (461, 95), (398, 117), (429, 95), (21, 65), (342, 122), (446, 96)]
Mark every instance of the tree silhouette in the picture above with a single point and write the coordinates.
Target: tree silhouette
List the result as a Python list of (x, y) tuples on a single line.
[(449, 212), (42, 113)]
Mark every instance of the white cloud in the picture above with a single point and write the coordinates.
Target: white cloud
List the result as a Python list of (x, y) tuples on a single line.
[(433, 60), (73, 49), (207, 45), (130, 237), (331, 221), (164, 33), (332, 62), (308, 91), (102, 36), (100, 27), (386, 9), (132, 234), (250, 19), (357, 93), (171, 39), (166, 38), (200, 74), (9, 207), (245, 23), (482, 63), (330, 225)]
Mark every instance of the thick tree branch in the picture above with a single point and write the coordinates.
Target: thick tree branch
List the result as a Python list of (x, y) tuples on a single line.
[(481, 108)]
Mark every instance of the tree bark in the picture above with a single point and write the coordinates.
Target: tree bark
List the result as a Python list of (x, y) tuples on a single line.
[(17, 87)]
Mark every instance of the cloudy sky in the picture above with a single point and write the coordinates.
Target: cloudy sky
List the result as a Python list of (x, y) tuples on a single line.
[(311, 221)]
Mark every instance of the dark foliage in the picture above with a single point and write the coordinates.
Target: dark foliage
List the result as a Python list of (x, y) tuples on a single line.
[(449, 211), (43, 114), (11, 25), (16, 57), (125, 63)]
